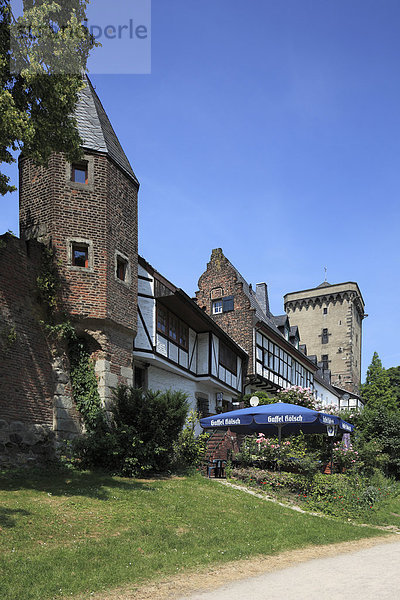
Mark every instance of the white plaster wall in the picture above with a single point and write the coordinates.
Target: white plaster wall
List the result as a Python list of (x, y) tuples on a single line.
[(161, 379), (202, 354), (192, 358), (214, 355), (325, 395), (147, 307)]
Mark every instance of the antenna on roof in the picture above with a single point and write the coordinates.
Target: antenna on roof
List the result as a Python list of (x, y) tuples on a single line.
[(326, 270)]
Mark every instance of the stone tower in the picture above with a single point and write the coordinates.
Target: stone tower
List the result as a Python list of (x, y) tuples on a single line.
[(329, 318), (87, 212)]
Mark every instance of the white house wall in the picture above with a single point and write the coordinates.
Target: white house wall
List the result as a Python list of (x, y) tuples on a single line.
[(202, 353), (144, 285), (193, 349), (163, 380), (145, 320), (324, 394), (214, 355)]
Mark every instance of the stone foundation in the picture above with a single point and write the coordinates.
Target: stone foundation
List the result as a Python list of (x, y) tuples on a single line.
[(25, 444)]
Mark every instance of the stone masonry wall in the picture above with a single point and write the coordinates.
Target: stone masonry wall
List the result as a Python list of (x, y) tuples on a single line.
[(344, 337), (35, 393)]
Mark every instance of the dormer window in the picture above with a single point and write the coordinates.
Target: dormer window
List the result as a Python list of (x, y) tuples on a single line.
[(79, 173), (80, 255)]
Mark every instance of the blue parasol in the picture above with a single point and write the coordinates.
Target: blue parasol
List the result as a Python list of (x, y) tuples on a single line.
[(289, 418)]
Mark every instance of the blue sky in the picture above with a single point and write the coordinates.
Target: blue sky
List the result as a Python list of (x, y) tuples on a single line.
[(270, 129)]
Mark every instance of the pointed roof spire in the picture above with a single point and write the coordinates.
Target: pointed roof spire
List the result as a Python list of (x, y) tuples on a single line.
[(96, 130)]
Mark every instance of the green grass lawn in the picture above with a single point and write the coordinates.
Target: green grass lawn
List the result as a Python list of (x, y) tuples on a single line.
[(70, 533)]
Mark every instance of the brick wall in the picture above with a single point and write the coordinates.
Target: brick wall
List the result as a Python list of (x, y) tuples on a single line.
[(26, 375), (238, 323), (56, 211)]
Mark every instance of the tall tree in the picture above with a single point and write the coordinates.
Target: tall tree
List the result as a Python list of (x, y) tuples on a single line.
[(394, 379), (376, 391), (42, 56)]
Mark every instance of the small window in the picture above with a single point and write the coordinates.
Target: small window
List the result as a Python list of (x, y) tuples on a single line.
[(217, 307), (325, 336), (173, 327), (203, 407), (80, 255), (325, 361), (325, 311), (121, 268), (223, 305), (139, 381), (162, 320), (183, 335), (79, 173), (227, 358)]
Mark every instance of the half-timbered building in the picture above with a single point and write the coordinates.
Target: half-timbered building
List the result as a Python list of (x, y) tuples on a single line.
[(178, 346), (276, 360)]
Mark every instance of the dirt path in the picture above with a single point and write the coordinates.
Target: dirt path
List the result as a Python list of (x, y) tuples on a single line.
[(182, 587)]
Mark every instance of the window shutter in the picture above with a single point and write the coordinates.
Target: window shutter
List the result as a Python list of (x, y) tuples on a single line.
[(227, 304)]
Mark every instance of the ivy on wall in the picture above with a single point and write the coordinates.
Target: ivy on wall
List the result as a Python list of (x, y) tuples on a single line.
[(60, 329), (84, 382), (48, 283)]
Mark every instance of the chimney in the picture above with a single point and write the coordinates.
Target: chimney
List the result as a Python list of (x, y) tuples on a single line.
[(262, 297)]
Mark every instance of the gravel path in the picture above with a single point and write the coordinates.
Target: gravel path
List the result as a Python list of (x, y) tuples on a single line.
[(367, 574)]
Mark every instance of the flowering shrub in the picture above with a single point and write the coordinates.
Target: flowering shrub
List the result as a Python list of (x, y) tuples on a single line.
[(344, 457), (337, 495), (305, 397), (351, 415), (291, 455), (269, 449), (297, 395)]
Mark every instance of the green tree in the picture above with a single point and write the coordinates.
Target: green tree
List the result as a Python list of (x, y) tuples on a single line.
[(394, 379), (42, 56), (376, 391), (380, 426), (140, 437)]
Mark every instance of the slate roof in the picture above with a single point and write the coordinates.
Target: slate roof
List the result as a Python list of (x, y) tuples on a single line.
[(96, 130), (251, 294), (280, 320)]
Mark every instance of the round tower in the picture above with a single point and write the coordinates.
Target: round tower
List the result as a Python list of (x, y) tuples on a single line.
[(87, 213)]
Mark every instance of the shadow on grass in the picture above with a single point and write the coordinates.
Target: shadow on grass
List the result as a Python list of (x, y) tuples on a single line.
[(59, 481), (8, 516)]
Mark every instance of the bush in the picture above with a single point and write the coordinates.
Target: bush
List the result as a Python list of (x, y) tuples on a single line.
[(139, 438), (291, 455), (336, 495), (383, 426), (345, 457), (189, 450)]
